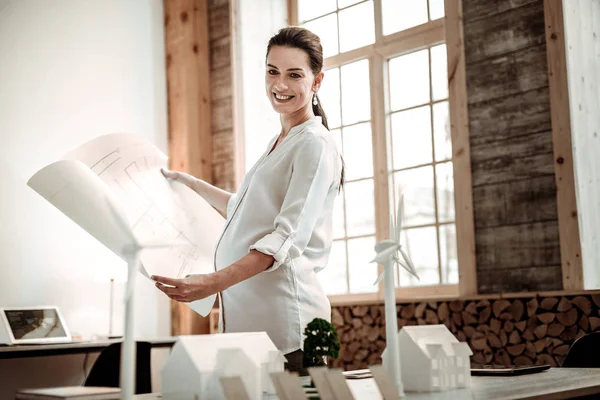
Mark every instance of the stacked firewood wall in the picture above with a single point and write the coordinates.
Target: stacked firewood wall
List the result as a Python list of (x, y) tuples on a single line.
[(520, 331)]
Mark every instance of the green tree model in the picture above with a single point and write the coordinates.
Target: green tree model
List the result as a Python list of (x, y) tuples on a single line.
[(321, 341)]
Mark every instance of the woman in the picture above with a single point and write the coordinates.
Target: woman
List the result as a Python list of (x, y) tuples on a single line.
[(278, 232)]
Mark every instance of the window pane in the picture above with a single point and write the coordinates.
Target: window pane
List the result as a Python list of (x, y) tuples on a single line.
[(326, 29), (329, 95), (346, 3), (356, 97), (399, 15), (411, 137), (409, 80), (445, 191), (439, 72), (361, 17), (333, 277), (363, 273), (360, 208), (421, 246), (358, 151), (436, 9), (309, 9), (448, 253), (338, 217), (441, 132), (417, 187)]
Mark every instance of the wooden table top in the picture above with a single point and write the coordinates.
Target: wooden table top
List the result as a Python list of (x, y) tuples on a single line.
[(74, 347), (553, 384)]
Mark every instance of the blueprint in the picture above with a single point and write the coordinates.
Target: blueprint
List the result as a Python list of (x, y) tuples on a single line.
[(112, 187)]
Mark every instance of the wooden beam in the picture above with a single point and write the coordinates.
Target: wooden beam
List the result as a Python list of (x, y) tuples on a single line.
[(461, 151), (292, 12), (188, 93), (570, 245)]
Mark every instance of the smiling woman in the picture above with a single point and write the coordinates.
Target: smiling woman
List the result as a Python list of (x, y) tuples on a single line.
[(279, 231)]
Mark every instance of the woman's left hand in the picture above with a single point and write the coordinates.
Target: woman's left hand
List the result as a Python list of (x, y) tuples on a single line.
[(190, 288)]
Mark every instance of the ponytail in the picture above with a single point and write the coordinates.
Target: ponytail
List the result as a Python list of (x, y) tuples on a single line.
[(319, 112)]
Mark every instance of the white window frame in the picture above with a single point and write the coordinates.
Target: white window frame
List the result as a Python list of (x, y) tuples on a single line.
[(444, 30)]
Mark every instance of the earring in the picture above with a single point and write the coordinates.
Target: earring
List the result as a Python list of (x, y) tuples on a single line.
[(315, 101)]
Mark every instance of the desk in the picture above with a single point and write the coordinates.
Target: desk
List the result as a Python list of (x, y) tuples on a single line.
[(553, 384), (40, 350)]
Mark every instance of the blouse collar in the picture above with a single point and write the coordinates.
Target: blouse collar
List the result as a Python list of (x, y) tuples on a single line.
[(300, 128)]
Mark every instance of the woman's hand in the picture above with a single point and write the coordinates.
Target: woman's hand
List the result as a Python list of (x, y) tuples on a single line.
[(190, 288), (187, 179), (216, 197)]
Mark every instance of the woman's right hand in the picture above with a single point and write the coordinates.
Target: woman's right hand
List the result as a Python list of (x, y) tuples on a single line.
[(178, 176), (213, 195)]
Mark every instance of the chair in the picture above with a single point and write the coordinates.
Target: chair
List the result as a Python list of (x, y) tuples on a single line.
[(584, 352), (106, 370)]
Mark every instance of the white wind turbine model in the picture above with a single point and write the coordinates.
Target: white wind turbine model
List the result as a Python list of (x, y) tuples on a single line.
[(71, 187), (388, 254), (131, 254)]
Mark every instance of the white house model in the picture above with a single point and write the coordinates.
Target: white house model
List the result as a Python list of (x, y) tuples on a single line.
[(197, 362), (432, 359)]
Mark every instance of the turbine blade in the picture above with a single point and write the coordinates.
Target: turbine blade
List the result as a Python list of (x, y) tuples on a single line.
[(399, 217), (411, 268), (392, 229), (380, 278)]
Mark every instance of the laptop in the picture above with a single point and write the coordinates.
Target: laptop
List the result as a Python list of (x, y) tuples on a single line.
[(32, 325)]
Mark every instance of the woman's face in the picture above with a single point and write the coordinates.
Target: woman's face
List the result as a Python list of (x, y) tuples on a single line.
[(289, 81)]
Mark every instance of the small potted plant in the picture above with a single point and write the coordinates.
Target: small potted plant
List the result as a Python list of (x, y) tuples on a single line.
[(321, 341)]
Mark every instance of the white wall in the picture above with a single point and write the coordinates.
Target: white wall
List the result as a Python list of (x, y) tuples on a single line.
[(582, 34), (71, 70), (254, 23)]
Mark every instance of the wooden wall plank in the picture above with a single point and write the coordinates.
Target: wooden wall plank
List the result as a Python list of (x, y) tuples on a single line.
[(528, 279), (506, 169), (516, 29), (220, 53), (219, 26), (516, 147), (222, 114), (223, 160), (512, 160), (220, 83), (474, 10), (561, 135), (517, 202), (508, 74), (459, 127), (507, 117), (513, 246), (217, 3), (190, 143)]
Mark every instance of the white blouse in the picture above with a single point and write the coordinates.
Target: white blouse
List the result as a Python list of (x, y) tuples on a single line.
[(283, 208)]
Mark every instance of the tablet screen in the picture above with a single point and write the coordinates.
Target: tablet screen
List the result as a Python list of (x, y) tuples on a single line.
[(35, 324)]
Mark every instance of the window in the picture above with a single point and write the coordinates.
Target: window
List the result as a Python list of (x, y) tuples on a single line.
[(386, 97)]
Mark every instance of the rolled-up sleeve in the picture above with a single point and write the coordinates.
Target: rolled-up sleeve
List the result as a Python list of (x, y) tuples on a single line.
[(314, 169)]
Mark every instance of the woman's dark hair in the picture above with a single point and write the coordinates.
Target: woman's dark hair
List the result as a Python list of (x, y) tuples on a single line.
[(301, 38)]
